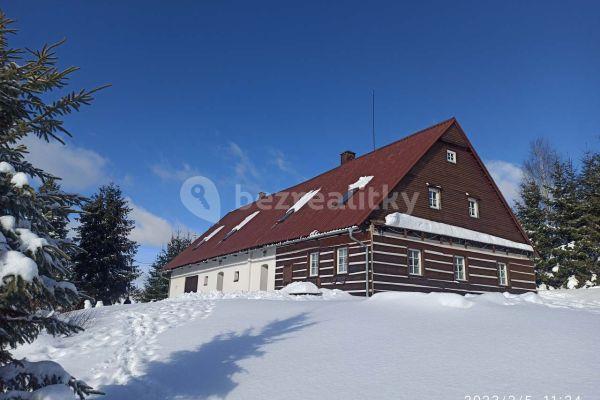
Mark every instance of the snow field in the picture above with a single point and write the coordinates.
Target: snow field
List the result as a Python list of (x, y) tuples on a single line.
[(393, 346)]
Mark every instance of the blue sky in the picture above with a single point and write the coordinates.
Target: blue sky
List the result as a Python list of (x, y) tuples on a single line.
[(265, 93)]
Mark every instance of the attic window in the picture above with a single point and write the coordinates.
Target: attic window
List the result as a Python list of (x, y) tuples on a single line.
[(451, 156), (208, 237), (356, 186), (240, 225), (298, 205)]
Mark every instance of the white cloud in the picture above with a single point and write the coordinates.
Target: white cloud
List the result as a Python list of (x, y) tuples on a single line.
[(169, 173), (246, 172), (508, 178), (150, 229), (78, 167)]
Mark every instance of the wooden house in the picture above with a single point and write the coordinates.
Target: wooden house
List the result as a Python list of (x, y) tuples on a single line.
[(420, 214)]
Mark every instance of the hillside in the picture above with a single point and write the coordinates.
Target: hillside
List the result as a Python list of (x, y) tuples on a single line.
[(392, 346)]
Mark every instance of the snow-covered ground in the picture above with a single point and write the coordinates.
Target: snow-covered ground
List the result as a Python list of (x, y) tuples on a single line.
[(393, 346)]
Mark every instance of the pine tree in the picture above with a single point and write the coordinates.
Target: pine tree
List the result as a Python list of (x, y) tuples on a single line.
[(156, 286), (105, 268), (565, 217), (34, 260), (587, 247), (534, 219)]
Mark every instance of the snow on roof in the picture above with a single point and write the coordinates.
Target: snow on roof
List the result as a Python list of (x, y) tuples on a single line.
[(209, 236), (360, 183), (303, 200), (241, 224), (399, 220)]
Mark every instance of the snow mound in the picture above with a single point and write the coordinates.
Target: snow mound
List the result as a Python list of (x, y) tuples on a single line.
[(451, 300), (301, 288), (280, 295)]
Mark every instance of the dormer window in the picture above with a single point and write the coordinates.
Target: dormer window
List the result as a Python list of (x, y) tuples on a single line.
[(435, 199), (451, 156)]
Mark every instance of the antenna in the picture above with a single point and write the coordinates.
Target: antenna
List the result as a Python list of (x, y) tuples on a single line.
[(373, 116)]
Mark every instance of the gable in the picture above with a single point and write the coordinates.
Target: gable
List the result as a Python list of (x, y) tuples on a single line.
[(457, 182)]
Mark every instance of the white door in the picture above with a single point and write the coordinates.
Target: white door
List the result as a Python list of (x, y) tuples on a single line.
[(220, 281), (264, 277)]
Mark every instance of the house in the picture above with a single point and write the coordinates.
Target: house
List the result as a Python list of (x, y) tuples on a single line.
[(420, 214)]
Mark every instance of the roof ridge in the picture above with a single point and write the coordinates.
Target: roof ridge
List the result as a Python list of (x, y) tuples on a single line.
[(451, 119)]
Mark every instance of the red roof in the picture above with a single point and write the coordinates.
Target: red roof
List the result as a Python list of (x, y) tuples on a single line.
[(388, 165)]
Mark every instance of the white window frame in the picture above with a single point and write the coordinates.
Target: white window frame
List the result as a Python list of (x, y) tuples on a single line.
[(451, 156), (342, 260), (205, 280), (502, 274), (313, 266), (437, 205), (460, 271), (236, 276), (409, 261), (473, 207)]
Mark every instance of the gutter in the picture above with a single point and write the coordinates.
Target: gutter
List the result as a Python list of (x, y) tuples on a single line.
[(366, 247)]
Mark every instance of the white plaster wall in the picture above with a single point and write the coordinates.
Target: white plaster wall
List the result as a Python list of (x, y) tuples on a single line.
[(248, 264)]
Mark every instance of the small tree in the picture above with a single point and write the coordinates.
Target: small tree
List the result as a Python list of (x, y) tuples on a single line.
[(156, 286), (34, 259), (105, 268)]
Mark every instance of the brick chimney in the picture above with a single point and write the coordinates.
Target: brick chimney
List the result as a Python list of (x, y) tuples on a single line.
[(261, 195), (347, 156)]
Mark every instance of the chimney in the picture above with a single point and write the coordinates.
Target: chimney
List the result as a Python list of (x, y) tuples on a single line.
[(261, 195), (347, 156)]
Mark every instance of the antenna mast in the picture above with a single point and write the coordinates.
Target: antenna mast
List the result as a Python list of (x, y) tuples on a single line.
[(373, 116)]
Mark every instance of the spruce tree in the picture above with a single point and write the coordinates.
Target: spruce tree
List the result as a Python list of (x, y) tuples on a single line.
[(156, 286), (105, 268), (587, 247), (565, 218), (534, 219), (58, 217), (34, 260)]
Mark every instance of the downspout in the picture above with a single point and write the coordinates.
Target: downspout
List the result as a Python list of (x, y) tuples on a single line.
[(366, 248)]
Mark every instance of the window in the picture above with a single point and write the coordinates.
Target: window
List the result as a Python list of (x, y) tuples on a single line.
[(206, 280), (342, 260), (451, 156), (191, 284), (314, 264), (502, 274), (435, 198), (347, 196), (414, 262), (459, 269), (473, 208), (236, 276)]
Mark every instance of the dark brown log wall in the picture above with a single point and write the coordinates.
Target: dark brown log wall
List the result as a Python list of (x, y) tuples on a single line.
[(390, 271), (295, 257)]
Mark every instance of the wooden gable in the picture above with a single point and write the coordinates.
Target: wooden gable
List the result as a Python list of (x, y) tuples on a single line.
[(467, 178)]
